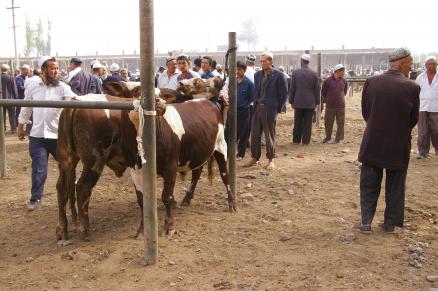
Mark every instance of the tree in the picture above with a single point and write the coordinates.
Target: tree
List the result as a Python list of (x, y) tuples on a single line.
[(30, 41), (39, 39), (248, 33), (48, 47)]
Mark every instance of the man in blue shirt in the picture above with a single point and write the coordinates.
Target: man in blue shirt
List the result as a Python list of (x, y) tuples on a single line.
[(19, 80), (245, 90), (206, 67)]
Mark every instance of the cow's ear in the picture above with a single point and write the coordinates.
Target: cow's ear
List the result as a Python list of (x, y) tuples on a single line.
[(118, 89), (136, 92)]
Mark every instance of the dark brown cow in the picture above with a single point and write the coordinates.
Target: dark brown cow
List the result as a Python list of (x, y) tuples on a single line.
[(188, 135)]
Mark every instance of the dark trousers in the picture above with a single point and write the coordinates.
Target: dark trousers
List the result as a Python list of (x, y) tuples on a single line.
[(39, 149), (242, 134), (329, 119), (262, 122), (11, 114), (427, 131), (302, 125), (370, 184)]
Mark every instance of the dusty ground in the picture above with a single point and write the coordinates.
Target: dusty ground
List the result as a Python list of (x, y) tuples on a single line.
[(287, 235)]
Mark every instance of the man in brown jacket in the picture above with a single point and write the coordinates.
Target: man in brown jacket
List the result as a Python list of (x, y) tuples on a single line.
[(390, 105)]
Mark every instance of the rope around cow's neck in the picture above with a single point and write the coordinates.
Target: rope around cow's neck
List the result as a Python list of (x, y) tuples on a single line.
[(139, 138)]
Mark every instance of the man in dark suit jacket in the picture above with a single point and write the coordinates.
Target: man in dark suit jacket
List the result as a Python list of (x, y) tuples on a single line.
[(9, 91), (81, 82), (304, 95), (390, 104), (270, 94)]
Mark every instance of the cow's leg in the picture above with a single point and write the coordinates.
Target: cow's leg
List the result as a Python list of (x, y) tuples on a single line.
[(65, 188), (189, 194), (223, 169), (136, 176), (88, 179), (72, 193), (169, 178)]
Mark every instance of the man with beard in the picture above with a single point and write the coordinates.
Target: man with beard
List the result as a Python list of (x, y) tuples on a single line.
[(44, 134)]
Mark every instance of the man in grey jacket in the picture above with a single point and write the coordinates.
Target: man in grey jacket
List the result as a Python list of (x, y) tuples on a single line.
[(304, 96), (9, 89)]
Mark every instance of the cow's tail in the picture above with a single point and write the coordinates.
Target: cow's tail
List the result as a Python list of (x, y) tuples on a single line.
[(211, 170)]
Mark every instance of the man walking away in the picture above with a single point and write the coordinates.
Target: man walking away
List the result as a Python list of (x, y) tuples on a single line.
[(390, 103), (333, 94), (9, 89), (304, 94), (81, 82), (428, 118)]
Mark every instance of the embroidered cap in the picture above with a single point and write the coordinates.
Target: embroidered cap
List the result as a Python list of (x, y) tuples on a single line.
[(399, 54)]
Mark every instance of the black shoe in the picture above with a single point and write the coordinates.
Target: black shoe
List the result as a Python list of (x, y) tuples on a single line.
[(325, 140), (363, 228), (387, 227)]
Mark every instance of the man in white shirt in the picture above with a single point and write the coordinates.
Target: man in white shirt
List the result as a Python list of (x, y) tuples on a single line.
[(428, 117), (44, 134), (250, 71), (168, 79)]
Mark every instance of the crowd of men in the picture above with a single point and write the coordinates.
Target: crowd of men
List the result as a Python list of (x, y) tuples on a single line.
[(391, 106)]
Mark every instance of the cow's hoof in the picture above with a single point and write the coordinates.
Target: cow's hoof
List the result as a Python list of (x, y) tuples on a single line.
[(61, 233), (168, 233), (232, 207)]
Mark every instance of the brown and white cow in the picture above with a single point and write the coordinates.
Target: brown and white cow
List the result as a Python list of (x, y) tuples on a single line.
[(188, 135)]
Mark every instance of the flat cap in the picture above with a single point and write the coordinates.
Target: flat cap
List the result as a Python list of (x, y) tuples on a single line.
[(5, 67), (76, 61), (338, 67), (399, 54)]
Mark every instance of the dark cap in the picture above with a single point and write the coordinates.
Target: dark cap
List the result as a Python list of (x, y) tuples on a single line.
[(76, 61)]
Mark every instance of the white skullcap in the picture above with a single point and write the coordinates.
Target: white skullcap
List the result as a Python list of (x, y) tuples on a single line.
[(25, 66), (431, 58), (281, 68), (97, 65), (218, 67), (42, 59), (114, 67), (338, 67), (269, 54), (5, 67), (305, 57)]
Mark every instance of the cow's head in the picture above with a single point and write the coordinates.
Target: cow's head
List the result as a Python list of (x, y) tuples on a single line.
[(122, 89), (198, 88)]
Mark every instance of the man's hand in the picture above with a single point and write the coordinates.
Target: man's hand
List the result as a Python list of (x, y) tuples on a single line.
[(20, 131)]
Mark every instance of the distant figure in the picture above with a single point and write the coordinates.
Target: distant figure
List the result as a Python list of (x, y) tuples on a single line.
[(168, 79), (183, 62), (97, 73), (157, 74), (197, 65), (245, 91), (115, 75), (250, 63), (124, 74), (304, 93), (9, 89), (333, 94), (390, 103), (81, 82), (428, 118), (20, 80), (270, 94)]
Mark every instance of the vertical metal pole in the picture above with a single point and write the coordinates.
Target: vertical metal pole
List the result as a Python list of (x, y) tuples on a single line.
[(15, 37), (232, 117), (2, 141), (149, 133), (319, 72)]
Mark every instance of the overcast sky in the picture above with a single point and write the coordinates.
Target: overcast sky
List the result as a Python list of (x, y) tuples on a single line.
[(110, 26)]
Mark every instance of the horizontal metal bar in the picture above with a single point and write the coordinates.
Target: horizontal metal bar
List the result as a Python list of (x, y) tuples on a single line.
[(123, 105)]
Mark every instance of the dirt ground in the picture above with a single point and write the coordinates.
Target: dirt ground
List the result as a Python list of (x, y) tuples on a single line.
[(293, 230)]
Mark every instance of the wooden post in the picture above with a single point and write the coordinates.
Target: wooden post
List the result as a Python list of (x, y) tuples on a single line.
[(149, 133), (2, 141), (319, 72), (232, 115)]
